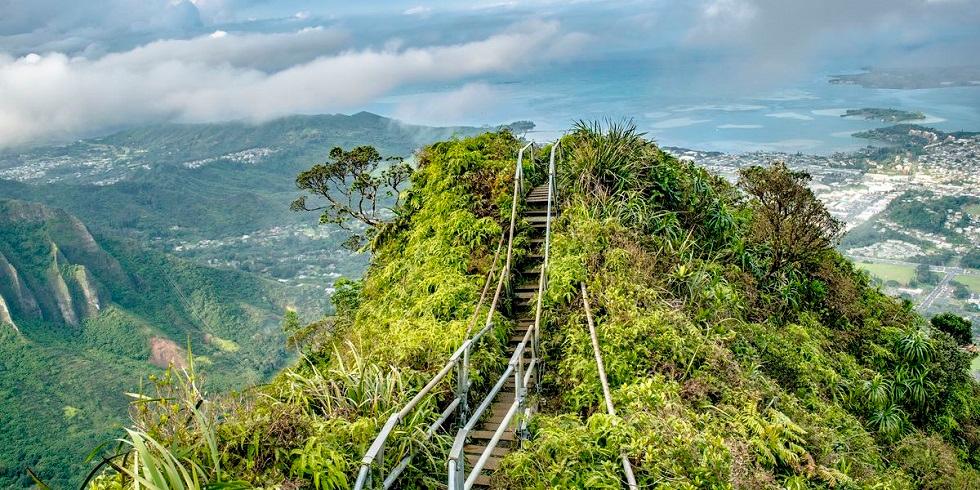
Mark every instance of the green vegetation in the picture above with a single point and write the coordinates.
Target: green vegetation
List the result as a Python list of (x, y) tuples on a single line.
[(175, 184), (63, 379), (971, 259), (957, 327), (153, 190), (724, 374), (908, 137), (884, 115), (901, 274), (353, 185), (312, 423), (742, 350), (924, 211), (972, 282)]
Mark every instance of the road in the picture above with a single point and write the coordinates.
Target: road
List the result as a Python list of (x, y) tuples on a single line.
[(936, 292), (940, 289)]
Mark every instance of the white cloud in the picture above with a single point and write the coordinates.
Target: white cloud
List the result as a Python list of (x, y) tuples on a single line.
[(790, 115), (739, 126), (417, 10), (459, 106), (780, 39), (678, 122), (49, 25), (205, 79)]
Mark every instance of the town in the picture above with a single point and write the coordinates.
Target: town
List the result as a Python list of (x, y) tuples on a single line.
[(915, 208)]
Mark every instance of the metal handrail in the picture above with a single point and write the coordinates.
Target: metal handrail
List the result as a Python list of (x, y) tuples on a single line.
[(458, 478), (627, 467), (459, 360)]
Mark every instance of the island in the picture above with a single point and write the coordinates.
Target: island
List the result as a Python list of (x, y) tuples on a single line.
[(884, 115), (913, 78)]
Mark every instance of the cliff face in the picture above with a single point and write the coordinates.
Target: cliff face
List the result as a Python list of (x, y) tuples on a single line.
[(83, 317), (19, 298), (51, 267), (5, 318)]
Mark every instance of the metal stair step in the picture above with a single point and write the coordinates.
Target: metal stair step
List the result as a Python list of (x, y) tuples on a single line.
[(486, 435), (482, 481), (491, 465), (498, 451)]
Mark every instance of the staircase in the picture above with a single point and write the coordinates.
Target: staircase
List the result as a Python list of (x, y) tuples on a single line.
[(524, 311), (485, 433)]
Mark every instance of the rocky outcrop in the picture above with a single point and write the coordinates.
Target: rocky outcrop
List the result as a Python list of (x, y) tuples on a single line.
[(20, 298), (91, 302), (59, 289), (164, 352), (5, 318)]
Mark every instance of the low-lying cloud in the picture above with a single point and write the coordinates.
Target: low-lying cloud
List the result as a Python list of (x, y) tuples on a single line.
[(239, 76), (779, 39)]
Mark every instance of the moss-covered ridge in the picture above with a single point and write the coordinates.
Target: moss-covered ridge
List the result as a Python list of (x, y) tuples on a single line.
[(392, 331), (727, 372), (724, 374)]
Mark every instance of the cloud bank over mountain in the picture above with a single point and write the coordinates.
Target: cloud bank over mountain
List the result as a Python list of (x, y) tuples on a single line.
[(72, 69), (241, 76)]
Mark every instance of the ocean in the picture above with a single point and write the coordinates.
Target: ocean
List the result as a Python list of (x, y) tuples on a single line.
[(675, 110)]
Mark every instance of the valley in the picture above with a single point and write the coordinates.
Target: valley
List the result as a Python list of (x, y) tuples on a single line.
[(124, 254)]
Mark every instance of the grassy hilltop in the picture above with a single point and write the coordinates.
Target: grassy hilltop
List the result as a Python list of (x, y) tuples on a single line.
[(743, 351)]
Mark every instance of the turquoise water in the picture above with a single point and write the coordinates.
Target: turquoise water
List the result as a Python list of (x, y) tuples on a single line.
[(678, 110)]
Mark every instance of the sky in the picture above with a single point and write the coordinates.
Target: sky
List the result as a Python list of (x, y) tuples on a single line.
[(72, 69)]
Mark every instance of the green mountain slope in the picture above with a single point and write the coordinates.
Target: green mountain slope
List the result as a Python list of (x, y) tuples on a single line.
[(742, 350), (207, 179), (197, 189), (86, 319)]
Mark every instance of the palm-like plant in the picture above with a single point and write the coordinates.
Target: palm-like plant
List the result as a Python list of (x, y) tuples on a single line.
[(915, 347), (878, 391), (889, 420)]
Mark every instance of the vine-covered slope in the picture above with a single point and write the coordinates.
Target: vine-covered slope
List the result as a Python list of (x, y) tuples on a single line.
[(392, 330), (741, 353), (726, 371)]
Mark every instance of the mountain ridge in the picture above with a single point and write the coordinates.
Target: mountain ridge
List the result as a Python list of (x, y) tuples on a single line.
[(93, 317)]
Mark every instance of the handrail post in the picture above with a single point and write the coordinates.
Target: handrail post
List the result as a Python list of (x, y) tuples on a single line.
[(519, 391), (462, 387), (381, 460), (457, 461), (600, 366)]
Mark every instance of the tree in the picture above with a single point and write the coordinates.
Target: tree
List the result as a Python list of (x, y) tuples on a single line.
[(958, 327), (290, 322), (960, 290), (923, 275), (787, 217), (358, 185)]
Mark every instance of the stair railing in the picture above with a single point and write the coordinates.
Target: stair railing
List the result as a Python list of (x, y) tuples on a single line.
[(459, 360), (458, 478), (627, 467)]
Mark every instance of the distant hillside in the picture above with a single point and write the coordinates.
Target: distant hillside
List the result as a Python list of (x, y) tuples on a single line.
[(199, 188), (219, 178), (83, 319)]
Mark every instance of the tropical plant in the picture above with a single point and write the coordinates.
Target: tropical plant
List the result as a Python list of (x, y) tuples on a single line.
[(356, 184)]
